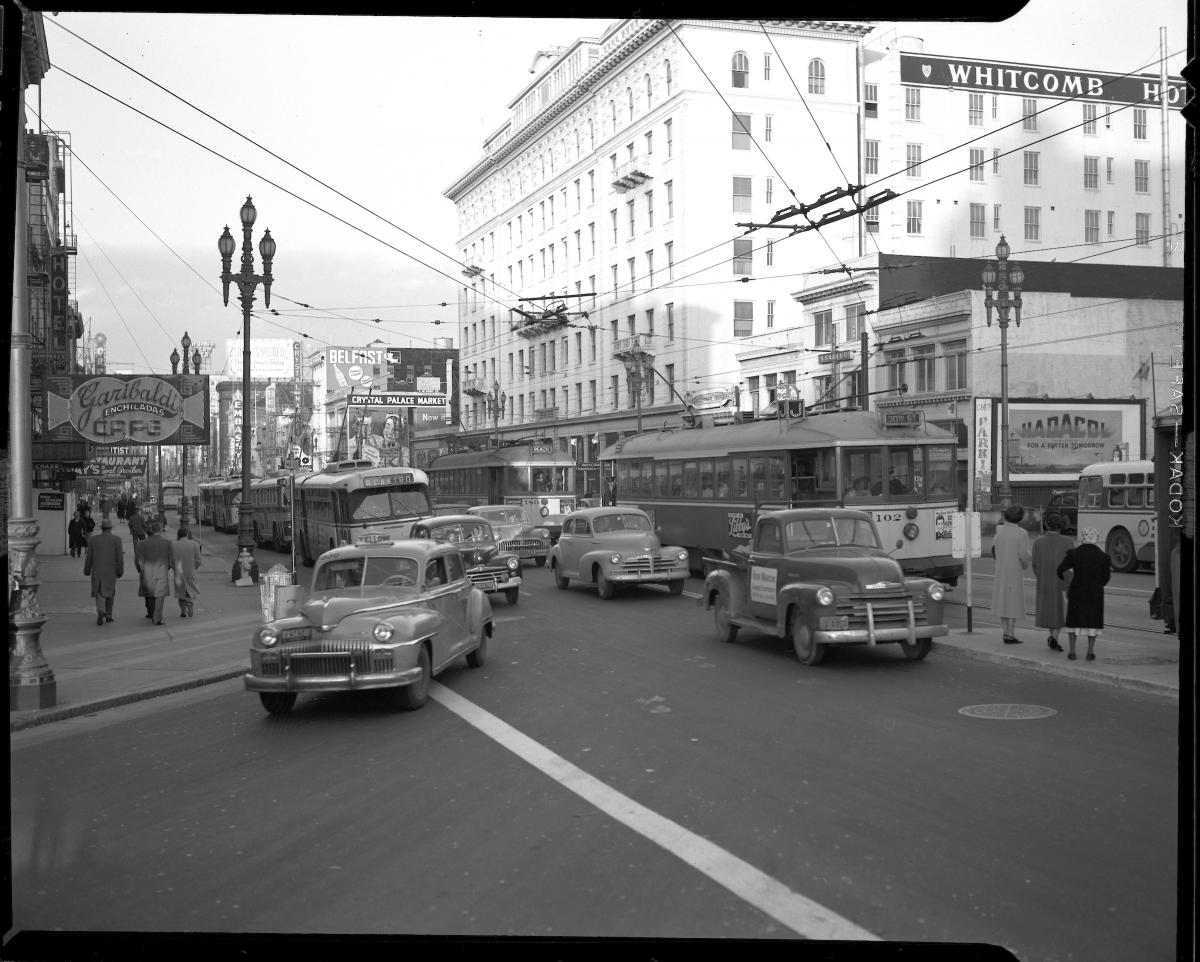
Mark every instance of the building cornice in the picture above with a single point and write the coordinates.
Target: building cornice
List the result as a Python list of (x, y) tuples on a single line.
[(829, 291)]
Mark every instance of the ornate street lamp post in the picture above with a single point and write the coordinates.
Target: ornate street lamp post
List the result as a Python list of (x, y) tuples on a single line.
[(184, 501), (496, 402), (636, 361), (1005, 280), (246, 281)]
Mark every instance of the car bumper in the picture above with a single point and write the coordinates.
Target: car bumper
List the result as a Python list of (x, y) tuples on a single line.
[(646, 577), (347, 682), (491, 585), (345, 669), (869, 636)]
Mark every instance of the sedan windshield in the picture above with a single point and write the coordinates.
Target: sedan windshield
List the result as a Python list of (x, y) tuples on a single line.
[(459, 533), (620, 522), (504, 516)]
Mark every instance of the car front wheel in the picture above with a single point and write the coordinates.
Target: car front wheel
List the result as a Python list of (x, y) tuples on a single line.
[(916, 652), (675, 587), (722, 617), (808, 651), (412, 696), (1120, 550), (277, 702), (605, 588), (511, 595), (560, 582), (476, 658)]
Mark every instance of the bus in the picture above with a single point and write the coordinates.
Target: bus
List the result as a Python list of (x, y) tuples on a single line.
[(271, 501), (347, 497), (1117, 499), (172, 492), (705, 487), (220, 501), (528, 473)]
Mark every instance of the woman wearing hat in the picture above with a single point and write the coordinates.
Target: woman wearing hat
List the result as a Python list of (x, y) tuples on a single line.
[(1010, 548), (1090, 570), (105, 562)]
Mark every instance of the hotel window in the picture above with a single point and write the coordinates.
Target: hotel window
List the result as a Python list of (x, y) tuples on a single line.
[(632, 218), (978, 220), (613, 217), (769, 190), (1108, 169), (975, 110), (995, 216), (768, 120), (649, 91), (895, 369), (670, 248), (1028, 113), (770, 253), (1141, 176), (1139, 123), (924, 369), (1089, 119), (670, 185), (1142, 229), (752, 391), (1091, 227), (741, 131), (816, 77), (578, 195), (671, 321), (592, 238), (616, 391), (770, 313), (1091, 173), (649, 142), (743, 318), (996, 160), (912, 103), (592, 351), (668, 66), (913, 223), (1112, 223), (956, 365), (650, 320), (871, 156), (977, 165), (854, 320), (542, 212), (995, 106), (614, 276), (822, 327), (670, 137), (743, 256), (741, 195), (565, 352), (912, 154), (1032, 178), (632, 273), (649, 208), (741, 70), (871, 218), (1033, 223), (579, 247), (871, 100), (650, 266), (578, 351), (766, 66)]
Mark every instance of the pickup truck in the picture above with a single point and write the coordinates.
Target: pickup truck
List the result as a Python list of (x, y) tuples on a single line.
[(820, 577)]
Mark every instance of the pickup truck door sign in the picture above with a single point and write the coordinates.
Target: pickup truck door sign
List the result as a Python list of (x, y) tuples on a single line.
[(763, 580)]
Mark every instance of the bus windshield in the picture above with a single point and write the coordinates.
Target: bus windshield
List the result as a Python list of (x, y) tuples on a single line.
[(381, 504)]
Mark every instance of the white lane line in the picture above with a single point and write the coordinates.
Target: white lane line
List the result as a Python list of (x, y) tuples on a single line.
[(802, 915)]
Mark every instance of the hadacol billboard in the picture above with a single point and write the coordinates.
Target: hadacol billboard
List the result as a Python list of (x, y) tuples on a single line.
[(1055, 440)]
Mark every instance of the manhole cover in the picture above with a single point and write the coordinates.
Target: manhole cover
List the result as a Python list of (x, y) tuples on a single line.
[(1007, 712)]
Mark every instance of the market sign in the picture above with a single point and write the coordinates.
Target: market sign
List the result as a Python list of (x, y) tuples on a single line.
[(114, 408), (394, 400), (1091, 86)]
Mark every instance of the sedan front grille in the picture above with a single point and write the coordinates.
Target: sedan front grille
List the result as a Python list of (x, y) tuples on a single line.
[(321, 660), (488, 579), (517, 545), (646, 565)]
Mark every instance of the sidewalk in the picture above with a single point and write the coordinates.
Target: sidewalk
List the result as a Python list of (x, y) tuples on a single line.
[(99, 667)]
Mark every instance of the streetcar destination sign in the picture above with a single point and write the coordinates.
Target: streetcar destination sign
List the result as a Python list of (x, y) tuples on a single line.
[(832, 356)]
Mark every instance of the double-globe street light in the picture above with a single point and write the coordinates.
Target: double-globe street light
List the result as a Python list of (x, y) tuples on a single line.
[(185, 342), (1004, 279), (246, 281)]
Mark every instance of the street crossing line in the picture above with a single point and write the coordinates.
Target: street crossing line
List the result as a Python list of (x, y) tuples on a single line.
[(800, 914)]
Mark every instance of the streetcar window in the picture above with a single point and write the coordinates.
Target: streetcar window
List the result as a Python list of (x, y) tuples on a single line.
[(661, 480), (741, 478), (706, 479), (676, 479), (691, 486), (723, 472), (862, 471), (940, 473), (758, 477), (905, 471), (777, 476), (516, 480), (825, 464)]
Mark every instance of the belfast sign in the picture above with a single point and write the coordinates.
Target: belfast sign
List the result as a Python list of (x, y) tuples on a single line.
[(128, 408), (1033, 81)]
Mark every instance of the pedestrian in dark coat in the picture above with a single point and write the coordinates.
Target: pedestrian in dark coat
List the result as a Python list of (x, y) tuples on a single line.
[(89, 523), (1090, 570), (137, 525), (1048, 552), (187, 560), (76, 537), (153, 558), (105, 562)]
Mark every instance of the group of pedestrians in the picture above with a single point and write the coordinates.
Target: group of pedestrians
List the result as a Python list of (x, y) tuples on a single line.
[(79, 530), (1070, 581), (163, 566)]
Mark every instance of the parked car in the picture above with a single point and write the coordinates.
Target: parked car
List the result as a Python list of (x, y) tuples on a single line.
[(615, 546), (1065, 503), (514, 533), (451, 507), (489, 568), (820, 577), (379, 614)]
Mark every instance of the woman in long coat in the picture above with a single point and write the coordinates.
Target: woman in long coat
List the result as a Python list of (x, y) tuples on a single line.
[(1010, 547), (1090, 570), (153, 559), (76, 539), (187, 560), (1048, 552)]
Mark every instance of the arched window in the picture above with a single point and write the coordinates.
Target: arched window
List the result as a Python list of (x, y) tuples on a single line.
[(629, 93), (668, 78), (741, 70), (649, 94), (816, 77)]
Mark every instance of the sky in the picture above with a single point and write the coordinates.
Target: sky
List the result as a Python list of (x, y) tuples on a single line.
[(387, 112)]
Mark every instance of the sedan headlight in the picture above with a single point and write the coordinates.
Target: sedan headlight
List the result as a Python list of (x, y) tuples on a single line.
[(937, 591), (383, 631), (513, 564), (824, 596), (541, 533), (268, 637), (681, 555), (615, 558)]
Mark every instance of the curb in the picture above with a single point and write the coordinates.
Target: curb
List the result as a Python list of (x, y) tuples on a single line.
[(1130, 684), (19, 721)]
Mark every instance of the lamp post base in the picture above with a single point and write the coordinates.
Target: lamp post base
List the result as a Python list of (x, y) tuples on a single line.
[(31, 684), (1005, 495), (245, 569)]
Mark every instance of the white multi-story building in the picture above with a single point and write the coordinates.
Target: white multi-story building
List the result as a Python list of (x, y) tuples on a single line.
[(608, 208)]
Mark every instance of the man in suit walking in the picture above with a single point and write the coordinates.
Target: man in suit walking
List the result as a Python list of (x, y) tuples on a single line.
[(105, 562), (154, 558)]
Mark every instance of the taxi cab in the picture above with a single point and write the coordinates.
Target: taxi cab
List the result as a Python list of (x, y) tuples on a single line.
[(379, 614)]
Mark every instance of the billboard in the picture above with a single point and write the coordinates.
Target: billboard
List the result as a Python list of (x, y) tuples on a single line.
[(138, 408), (270, 357), (1054, 440), (117, 461), (378, 433), (357, 367)]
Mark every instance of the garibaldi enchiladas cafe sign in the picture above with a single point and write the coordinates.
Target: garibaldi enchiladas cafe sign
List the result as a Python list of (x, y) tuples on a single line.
[(128, 408), (1028, 80)]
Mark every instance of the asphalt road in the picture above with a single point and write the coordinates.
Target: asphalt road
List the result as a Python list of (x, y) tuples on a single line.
[(614, 770)]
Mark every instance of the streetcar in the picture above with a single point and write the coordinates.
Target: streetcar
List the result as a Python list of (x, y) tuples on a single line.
[(1117, 499), (337, 505), (705, 487), (532, 474), (219, 503), (172, 493), (271, 506)]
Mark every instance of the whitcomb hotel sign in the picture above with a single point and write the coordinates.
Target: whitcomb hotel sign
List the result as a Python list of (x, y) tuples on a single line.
[(116, 408), (1028, 80)]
